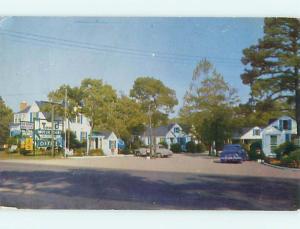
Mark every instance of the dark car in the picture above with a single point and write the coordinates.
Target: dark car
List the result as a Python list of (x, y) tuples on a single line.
[(233, 153)]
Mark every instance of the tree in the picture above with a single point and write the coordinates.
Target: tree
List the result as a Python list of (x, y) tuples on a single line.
[(272, 65), (99, 102), (129, 118), (6, 115), (155, 97), (208, 105)]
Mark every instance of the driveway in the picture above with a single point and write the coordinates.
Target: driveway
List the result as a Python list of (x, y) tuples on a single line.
[(179, 182)]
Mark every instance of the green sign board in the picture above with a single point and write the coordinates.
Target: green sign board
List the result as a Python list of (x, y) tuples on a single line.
[(44, 143)]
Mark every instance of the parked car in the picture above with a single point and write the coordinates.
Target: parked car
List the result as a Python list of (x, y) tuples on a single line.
[(233, 153), (161, 151), (142, 152)]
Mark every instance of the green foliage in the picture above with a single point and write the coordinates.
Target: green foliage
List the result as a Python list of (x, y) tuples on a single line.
[(292, 160), (74, 143), (285, 149), (208, 105), (164, 144), (153, 95), (255, 151), (176, 148), (96, 152), (6, 115), (129, 118), (12, 141), (272, 65), (192, 147)]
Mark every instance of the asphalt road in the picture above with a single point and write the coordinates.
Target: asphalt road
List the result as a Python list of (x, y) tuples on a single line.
[(180, 182)]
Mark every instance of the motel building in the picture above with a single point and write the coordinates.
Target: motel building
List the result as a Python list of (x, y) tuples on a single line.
[(32, 122)]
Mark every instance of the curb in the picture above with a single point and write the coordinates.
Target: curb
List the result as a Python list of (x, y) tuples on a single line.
[(280, 167)]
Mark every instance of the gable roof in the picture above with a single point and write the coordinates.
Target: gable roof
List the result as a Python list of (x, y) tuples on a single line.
[(159, 131), (106, 134), (47, 115), (238, 133), (275, 120), (24, 110)]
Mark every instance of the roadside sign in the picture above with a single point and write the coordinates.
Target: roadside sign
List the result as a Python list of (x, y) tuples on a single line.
[(24, 125), (47, 133), (29, 144), (44, 143)]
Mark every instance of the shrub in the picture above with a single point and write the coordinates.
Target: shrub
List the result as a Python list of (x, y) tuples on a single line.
[(191, 147), (255, 151), (25, 152), (176, 148), (164, 144), (292, 160), (96, 152), (201, 147), (284, 149)]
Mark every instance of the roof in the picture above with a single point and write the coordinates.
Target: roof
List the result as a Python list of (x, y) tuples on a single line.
[(24, 110), (159, 131), (238, 133), (47, 115), (106, 134)]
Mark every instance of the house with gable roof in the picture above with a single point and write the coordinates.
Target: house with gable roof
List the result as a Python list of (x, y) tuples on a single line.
[(170, 134), (278, 132)]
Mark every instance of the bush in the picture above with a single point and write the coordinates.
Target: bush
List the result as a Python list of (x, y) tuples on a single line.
[(96, 152), (255, 152), (192, 147), (164, 144), (176, 148), (284, 149), (201, 147), (292, 160), (25, 152)]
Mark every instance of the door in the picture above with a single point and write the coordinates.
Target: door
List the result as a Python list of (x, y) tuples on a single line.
[(273, 142)]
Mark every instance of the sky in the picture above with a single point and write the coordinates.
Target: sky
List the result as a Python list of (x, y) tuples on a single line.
[(38, 54)]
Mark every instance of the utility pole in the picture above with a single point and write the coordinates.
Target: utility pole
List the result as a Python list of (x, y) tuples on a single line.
[(52, 129), (65, 122), (150, 130)]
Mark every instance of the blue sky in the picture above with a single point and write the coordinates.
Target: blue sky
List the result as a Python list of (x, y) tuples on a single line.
[(38, 54)]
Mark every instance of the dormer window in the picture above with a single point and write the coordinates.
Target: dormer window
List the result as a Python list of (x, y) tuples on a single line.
[(256, 132), (176, 130), (285, 124)]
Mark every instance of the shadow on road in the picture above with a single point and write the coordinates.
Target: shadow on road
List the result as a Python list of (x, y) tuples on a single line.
[(106, 189)]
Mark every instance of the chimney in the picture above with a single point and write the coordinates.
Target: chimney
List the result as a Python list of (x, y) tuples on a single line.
[(23, 105)]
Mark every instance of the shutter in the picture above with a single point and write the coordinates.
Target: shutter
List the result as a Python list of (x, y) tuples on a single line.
[(280, 124), (81, 119), (289, 124)]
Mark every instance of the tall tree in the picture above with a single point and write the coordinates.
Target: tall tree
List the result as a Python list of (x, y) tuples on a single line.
[(208, 104), (272, 65), (129, 118), (99, 102), (155, 97), (6, 115)]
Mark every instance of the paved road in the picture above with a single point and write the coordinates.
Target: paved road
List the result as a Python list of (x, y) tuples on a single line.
[(180, 182)]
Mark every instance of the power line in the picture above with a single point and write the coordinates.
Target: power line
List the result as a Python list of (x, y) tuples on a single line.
[(183, 58)]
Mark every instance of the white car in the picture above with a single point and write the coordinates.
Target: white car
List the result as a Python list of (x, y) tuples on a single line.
[(161, 151)]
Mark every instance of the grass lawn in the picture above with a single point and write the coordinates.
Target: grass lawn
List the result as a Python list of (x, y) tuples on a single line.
[(17, 156)]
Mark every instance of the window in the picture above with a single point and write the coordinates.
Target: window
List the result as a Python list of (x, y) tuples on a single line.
[(273, 142), (256, 132), (83, 136), (176, 130), (285, 124)]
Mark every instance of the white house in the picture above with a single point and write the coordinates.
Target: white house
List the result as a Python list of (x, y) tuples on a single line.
[(248, 135), (169, 134), (277, 132), (32, 117), (105, 140)]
